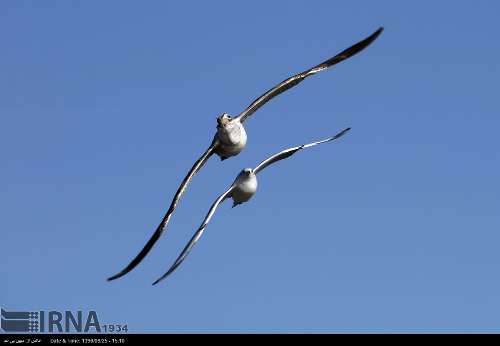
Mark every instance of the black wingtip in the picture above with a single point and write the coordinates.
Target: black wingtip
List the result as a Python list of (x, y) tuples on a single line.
[(114, 277), (158, 280), (367, 41), (164, 276), (354, 49), (343, 132), (124, 271), (377, 33)]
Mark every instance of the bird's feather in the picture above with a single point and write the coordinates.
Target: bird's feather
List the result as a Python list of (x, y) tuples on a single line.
[(197, 235), (161, 227), (296, 79)]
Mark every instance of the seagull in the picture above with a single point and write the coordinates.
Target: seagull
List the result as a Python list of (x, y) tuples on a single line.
[(231, 138), (241, 190)]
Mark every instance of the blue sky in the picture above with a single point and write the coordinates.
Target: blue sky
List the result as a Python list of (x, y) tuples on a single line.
[(105, 106)]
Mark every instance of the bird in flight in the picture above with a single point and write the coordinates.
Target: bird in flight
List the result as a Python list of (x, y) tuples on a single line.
[(231, 138), (241, 190)]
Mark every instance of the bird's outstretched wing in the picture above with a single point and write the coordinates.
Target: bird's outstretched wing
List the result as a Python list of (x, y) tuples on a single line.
[(161, 227), (294, 80), (290, 151), (197, 235)]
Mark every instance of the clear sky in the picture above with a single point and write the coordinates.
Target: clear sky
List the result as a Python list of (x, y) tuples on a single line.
[(105, 105)]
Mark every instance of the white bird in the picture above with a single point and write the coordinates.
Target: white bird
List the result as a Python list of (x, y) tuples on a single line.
[(241, 190), (231, 137)]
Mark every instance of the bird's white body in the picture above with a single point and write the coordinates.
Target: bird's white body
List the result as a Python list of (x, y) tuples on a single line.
[(244, 186), (232, 138)]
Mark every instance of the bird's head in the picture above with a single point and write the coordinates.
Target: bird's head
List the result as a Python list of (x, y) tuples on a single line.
[(223, 119), (247, 171)]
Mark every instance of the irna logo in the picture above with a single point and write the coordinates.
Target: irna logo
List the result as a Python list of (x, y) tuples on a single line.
[(51, 322)]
